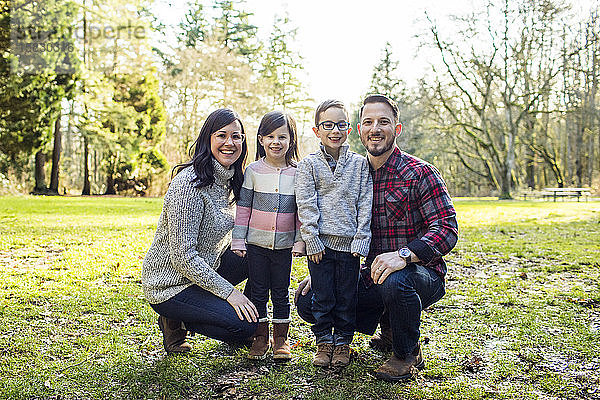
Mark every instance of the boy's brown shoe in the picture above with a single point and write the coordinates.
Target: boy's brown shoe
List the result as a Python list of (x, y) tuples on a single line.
[(174, 336), (341, 356), (399, 370), (323, 356), (261, 342)]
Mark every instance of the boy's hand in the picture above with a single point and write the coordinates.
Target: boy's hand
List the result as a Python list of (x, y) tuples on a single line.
[(317, 257), (240, 253), (297, 254), (355, 255)]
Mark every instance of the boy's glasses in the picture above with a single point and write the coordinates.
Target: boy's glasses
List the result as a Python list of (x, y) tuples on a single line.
[(236, 138), (329, 125)]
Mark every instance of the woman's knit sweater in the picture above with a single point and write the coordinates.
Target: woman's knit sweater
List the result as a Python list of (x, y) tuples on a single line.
[(194, 229)]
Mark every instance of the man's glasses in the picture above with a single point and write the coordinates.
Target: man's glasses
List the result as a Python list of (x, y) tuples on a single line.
[(329, 125), (236, 138)]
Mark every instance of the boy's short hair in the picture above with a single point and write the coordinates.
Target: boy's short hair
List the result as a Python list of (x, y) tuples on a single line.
[(380, 98), (327, 104)]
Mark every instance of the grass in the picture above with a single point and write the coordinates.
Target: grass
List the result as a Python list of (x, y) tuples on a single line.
[(521, 318)]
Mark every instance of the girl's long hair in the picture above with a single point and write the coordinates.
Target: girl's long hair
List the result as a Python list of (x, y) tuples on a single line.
[(274, 120), (201, 155)]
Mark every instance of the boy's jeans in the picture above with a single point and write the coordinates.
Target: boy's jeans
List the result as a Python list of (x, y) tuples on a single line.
[(334, 295)]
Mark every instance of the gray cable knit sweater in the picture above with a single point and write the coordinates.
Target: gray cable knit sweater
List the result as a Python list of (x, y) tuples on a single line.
[(194, 229), (335, 207)]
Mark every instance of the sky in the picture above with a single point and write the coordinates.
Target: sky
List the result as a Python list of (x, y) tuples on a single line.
[(341, 41)]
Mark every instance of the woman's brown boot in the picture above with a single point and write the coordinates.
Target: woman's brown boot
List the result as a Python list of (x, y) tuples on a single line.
[(173, 335), (260, 342), (281, 345)]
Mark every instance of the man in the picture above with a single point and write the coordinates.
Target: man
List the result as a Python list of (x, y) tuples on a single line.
[(413, 225)]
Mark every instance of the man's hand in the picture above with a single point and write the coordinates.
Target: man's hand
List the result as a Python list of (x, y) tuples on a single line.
[(303, 288), (385, 264), (243, 307), (240, 253), (317, 257)]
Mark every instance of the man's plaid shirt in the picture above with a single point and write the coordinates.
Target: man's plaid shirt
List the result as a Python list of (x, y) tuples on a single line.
[(412, 207)]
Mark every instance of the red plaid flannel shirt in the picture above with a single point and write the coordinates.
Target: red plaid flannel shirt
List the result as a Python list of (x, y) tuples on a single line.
[(412, 207)]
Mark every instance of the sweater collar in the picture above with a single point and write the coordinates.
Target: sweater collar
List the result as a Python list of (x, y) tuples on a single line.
[(222, 174), (343, 150)]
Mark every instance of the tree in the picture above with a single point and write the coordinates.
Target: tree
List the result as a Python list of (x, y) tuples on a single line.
[(34, 80), (281, 67), (487, 97)]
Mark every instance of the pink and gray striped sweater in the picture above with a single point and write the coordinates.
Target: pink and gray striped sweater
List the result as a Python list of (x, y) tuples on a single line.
[(266, 213)]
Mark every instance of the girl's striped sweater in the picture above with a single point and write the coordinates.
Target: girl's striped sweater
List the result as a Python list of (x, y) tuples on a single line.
[(266, 213)]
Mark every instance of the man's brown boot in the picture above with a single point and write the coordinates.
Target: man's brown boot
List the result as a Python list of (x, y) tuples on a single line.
[(173, 336), (383, 341), (260, 342), (281, 345), (341, 356), (323, 355), (398, 370)]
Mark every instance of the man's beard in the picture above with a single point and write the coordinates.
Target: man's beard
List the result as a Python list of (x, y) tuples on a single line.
[(376, 152)]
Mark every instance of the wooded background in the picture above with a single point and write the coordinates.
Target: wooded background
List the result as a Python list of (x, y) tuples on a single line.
[(508, 101)]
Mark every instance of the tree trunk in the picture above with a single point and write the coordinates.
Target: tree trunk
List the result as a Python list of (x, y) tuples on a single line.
[(110, 184), (40, 174), (56, 156), (86, 170)]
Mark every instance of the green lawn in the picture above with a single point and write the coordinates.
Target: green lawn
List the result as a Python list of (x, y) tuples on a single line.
[(521, 318)]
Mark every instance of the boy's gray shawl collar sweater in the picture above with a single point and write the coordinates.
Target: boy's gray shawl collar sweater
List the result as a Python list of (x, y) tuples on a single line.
[(343, 218)]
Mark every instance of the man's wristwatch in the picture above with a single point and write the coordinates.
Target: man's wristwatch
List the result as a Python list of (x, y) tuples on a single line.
[(405, 253)]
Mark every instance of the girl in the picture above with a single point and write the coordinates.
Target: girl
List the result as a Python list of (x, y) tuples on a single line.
[(267, 230)]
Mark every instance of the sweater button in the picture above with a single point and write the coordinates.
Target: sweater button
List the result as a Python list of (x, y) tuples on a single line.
[(277, 190), (273, 228)]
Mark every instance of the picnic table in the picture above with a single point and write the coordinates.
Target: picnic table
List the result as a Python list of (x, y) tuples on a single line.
[(554, 193)]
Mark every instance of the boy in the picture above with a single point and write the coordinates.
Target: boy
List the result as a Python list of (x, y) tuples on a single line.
[(334, 194)]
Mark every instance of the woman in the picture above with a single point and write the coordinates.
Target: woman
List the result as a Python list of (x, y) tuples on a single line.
[(189, 272)]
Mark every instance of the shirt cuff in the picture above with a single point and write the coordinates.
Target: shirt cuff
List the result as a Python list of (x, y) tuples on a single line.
[(314, 246), (360, 246), (238, 244), (422, 250), (299, 247)]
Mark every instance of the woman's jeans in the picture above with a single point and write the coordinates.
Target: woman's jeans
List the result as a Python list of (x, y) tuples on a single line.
[(334, 287), (204, 313), (404, 294), (270, 270)]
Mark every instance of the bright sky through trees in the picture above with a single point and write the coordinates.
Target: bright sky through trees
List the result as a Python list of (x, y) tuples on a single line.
[(340, 40)]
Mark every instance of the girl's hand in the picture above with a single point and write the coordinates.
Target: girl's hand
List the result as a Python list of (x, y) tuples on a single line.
[(316, 258), (243, 307), (240, 253), (355, 255), (297, 254)]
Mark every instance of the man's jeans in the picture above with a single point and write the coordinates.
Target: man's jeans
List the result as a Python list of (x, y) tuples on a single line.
[(334, 287), (270, 270), (404, 294), (204, 313)]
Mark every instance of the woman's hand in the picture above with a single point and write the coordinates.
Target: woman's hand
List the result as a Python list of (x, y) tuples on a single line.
[(240, 253), (243, 307)]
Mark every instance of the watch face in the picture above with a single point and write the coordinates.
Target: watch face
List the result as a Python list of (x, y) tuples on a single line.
[(405, 252)]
